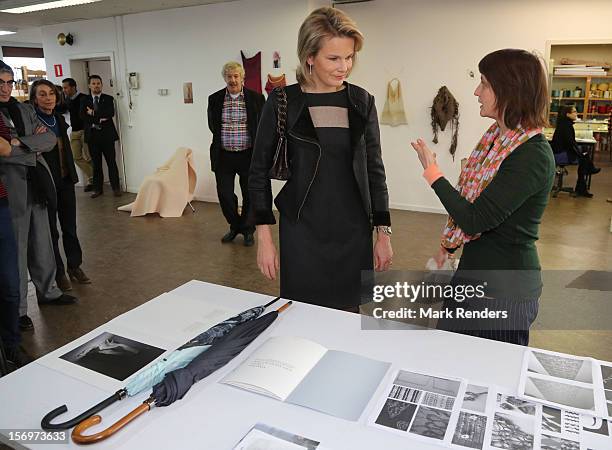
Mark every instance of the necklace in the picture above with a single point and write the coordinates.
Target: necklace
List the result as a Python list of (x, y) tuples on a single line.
[(48, 124)]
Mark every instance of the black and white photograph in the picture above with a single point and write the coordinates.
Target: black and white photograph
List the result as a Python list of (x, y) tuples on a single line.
[(560, 393), (609, 409), (428, 383), (396, 414), (573, 369), (430, 422), (606, 375), (512, 432), (557, 443), (608, 395), (596, 425), (438, 401), (511, 403), (112, 355), (470, 430), (570, 422), (405, 394), (551, 419), (475, 398)]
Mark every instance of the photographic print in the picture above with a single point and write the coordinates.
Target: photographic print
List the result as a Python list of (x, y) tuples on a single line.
[(114, 356), (438, 401), (557, 443), (560, 393), (610, 409), (512, 432), (475, 398), (608, 395), (595, 425), (428, 383), (188, 92), (606, 375), (396, 414), (551, 419), (405, 394), (560, 367), (470, 430), (262, 437), (511, 403), (570, 422), (430, 422)]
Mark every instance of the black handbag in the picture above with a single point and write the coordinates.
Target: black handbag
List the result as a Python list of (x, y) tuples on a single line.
[(280, 164)]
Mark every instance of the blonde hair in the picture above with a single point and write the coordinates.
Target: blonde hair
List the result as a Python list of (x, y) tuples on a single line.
[(231, 67), (323, 23)]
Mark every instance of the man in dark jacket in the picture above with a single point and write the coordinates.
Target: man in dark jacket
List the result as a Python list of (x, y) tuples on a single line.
[(233, 115), (97, 112)]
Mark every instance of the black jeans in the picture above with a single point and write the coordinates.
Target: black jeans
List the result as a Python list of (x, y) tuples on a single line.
[(9, 280), (229, 165), (65, 211), (585, 167), (99, 147)]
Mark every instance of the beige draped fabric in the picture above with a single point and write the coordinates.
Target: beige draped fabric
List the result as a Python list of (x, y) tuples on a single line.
[(393, 112), (168, 190)]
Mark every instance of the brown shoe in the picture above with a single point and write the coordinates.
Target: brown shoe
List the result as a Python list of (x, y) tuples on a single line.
[(79, 276), (63, 283)]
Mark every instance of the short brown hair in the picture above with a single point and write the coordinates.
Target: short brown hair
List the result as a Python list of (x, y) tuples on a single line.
[(323, 23), (47, 83), (518, 79)]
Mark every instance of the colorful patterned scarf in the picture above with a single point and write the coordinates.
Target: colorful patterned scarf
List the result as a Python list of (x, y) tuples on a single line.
[(481, 167)]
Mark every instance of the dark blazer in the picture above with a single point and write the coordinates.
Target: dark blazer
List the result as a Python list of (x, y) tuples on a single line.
[(304, 153), (564, 139), (254, 103), (52, 157), (106, 110)]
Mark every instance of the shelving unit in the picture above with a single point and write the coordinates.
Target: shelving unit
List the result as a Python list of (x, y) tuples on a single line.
[(584, 82)]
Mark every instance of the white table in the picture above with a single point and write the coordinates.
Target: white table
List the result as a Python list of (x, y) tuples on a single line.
[(214, 416)]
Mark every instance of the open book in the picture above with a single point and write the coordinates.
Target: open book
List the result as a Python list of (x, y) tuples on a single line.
[(305, 373)]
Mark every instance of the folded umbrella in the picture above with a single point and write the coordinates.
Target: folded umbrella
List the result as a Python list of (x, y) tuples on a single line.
[(155, 373), (178, 382)]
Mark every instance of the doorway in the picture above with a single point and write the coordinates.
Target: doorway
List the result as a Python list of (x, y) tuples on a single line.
[(80, 70)]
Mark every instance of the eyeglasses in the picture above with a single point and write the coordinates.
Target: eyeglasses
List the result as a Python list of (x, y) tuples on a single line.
[(11, 83)]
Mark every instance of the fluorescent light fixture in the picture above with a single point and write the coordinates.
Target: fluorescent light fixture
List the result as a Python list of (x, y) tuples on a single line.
[(46, 5), (5, 32)]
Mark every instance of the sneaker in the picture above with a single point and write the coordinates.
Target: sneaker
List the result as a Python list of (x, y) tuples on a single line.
[(18, 356), (25, 323), (63, 299), (79, 276), (63, 283)]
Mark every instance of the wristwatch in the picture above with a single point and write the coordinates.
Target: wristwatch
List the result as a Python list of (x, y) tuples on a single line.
[(384, 229)]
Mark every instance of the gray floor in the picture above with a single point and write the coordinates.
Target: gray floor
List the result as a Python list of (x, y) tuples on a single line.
[(131, 260)]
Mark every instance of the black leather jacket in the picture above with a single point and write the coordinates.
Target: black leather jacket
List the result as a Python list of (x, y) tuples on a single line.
[(305, 153)]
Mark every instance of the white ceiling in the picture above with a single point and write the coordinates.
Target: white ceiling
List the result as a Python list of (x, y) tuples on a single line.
[(28, 25)]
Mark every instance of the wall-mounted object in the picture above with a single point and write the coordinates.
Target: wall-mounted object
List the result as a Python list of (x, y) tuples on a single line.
[(445, 109), (162, 92), (393, 112), (187, 92), (65, 39), (133, 80)]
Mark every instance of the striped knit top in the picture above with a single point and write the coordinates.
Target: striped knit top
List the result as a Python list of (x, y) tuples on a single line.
[(6, 134)]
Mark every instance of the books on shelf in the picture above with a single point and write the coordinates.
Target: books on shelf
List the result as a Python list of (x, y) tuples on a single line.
[(580, 69)]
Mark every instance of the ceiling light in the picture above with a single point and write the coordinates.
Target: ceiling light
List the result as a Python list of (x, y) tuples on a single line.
[(5, 32), (46, 5)]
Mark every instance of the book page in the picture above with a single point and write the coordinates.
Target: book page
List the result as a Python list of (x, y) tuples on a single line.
[(277, 367)]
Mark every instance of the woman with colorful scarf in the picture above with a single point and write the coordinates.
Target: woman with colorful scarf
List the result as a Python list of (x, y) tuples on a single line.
[(497, 206)]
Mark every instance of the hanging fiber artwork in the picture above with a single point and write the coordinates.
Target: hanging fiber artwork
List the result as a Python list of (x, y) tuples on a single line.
[(393, 112), (444, 109)]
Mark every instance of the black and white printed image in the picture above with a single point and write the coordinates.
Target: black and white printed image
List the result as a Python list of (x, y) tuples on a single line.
[(551, 419), (438, 401), (263, 436), (610, 409), (430, 422), (470, 430), (561, 367), (405, 394), (570, 422), (595, 425), (113, 355), (606, 375), (512, 432), (557, 443), (396, 414), (428, 383), (560, 393), (475, 398), (511, 403), (608, 395)]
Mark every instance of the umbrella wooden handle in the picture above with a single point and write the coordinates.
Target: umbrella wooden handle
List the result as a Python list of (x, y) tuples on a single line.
[(284, 307), (79, 438)]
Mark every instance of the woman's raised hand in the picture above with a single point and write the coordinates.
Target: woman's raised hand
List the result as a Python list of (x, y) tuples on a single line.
[(426, 156)]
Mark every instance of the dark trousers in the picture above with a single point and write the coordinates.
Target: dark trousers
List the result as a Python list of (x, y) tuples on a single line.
[(514, 329), (99, 146), (65, 211), (585, 167), (9, 280), (229, 165)]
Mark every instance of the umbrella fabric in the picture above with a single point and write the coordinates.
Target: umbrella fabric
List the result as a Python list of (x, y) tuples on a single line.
[(187, 352), (176, 383)]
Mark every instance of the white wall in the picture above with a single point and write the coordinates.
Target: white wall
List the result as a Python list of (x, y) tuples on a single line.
[(425, 44)]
